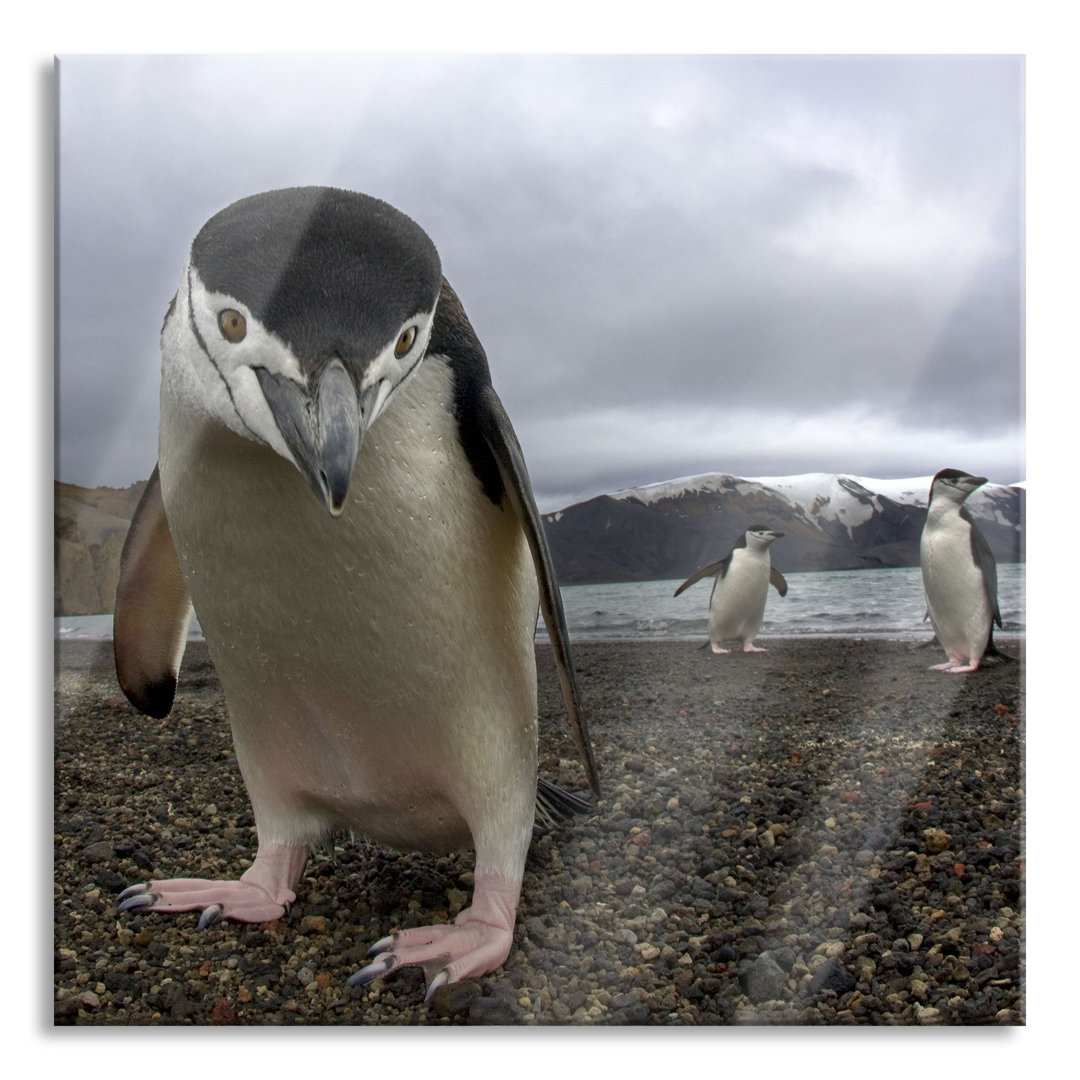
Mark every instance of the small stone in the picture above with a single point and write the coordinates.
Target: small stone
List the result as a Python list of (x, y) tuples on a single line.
[(765, 980), (832, 976), (935, 841), (313, 924), (222, 1013), (456, 999), (99, 852), (493, 1010)]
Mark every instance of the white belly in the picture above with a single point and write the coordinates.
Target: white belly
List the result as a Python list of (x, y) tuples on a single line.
[(378, 668), (955, 592), (737, 605)]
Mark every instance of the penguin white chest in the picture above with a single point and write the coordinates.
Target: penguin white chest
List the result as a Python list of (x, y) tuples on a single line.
[(378, 667), (956, 595), (737, 605)]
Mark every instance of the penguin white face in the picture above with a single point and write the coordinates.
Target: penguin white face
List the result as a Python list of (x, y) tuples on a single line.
[(954, 485), (758, 537), (300, 315)]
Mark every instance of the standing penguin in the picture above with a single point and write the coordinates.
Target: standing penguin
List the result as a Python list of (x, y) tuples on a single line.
[(342, 498), (743, 576), (959, 574)]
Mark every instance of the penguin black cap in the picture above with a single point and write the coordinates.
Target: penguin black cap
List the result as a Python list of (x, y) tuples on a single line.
[(359, 263)]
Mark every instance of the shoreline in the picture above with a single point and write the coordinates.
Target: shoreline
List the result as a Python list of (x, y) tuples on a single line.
[(825, 833)]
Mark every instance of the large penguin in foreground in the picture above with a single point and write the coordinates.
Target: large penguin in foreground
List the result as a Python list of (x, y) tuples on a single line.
[(959, 574), (341, 496), (743, 576)]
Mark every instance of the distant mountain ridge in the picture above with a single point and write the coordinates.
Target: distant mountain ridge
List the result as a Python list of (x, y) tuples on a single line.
[(660, 531), (89, 526), (830, 522)]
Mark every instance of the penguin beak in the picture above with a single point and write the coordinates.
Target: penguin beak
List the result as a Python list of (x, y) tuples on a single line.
[(322, 426), (969, 484)]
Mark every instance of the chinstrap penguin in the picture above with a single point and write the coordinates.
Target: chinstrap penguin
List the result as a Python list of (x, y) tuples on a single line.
[(341, 496), (959, 574), (743, 576)]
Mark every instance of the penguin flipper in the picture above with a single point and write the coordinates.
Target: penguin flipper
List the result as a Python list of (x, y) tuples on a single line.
[(152, 610), (554, 804), (706, 571), (984, 559), (499, 435), (776, 579)]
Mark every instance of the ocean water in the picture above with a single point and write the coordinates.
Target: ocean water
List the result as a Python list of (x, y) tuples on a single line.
[(835, 603), (854, 603)]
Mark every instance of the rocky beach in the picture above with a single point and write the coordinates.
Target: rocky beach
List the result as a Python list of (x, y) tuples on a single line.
[(827, 833)]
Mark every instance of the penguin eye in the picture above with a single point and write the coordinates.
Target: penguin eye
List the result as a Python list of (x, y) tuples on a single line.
[(233, 325), (405, 342)]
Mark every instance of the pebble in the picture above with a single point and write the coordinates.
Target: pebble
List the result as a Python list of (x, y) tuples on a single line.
[(753, 856)]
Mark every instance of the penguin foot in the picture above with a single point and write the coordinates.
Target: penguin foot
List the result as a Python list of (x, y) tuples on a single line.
[(476, 943), (719, 652), (748, 647), (955, 667), (216, 899), (264, 892)]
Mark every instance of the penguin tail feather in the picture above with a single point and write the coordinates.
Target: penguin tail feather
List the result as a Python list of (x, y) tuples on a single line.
[(993, 655), (554, 805)]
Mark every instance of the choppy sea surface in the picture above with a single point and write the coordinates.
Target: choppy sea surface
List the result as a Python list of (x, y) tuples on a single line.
[(854, 603)]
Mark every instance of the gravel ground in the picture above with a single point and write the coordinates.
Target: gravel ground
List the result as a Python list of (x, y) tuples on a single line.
[(826, 833)]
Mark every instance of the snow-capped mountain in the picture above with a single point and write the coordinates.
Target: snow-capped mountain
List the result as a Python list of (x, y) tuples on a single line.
[(830, 522)]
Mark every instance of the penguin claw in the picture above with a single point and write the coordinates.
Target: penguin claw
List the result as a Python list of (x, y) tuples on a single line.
[(381, 945), (136, 901), (441, 979), (370, 973), (210, 915)]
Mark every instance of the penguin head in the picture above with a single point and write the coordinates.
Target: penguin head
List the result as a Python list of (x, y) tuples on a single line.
[(759, 537), (954, 485), (300, 315)]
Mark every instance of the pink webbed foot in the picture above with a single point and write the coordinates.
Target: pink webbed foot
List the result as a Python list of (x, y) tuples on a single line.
[(955, 667), (263, 892), (719, 651), (477, 942), (749, 646)]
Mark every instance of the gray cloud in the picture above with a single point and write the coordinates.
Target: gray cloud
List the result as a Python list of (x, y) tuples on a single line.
[(760, 265)]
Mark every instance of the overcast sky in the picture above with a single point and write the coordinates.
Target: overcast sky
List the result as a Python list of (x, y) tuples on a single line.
[(755, 265)]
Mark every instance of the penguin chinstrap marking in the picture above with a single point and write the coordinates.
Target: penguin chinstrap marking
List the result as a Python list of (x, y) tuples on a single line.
[(959, 574), (342, 498), (740, 589)]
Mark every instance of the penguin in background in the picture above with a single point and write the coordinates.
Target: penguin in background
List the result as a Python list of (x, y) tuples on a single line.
[(959, 575), (741, 586), (341, 497)]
